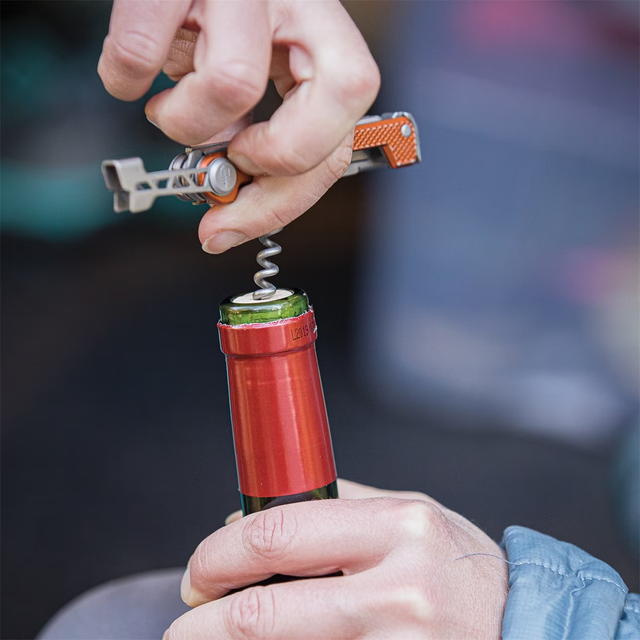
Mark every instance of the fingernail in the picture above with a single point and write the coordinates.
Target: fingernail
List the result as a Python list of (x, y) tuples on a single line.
[(152, 122), (233, 517), (220, 242), (189, 595), (185, 586), (301, 64), (244, 163)]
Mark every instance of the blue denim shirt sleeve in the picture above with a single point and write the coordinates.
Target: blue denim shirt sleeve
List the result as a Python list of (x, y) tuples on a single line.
[(558, 591)]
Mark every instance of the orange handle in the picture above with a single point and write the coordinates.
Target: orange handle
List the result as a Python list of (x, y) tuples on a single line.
[(389, 135)]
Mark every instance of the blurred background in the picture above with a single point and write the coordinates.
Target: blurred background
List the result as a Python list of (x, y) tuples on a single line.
[(478, 313)]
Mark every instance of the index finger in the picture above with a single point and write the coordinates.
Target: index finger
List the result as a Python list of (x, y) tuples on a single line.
[(306, 539), (139, 39)]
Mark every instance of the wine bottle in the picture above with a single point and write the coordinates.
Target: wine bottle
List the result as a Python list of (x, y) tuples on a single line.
[(280, 426)]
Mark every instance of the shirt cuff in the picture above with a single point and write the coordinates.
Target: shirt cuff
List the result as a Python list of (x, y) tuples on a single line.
[(557, 590)]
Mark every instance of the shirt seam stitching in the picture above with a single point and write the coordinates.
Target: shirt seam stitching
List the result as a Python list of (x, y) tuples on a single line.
[(567, 575)]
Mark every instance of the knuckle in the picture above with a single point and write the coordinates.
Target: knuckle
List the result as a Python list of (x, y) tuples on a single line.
[(136, 51), (410, 603), (251, 614), (419, 519), (358, 83), (269, 534), (240, 83)]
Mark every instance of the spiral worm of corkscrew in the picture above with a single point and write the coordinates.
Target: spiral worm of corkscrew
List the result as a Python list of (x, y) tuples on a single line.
[(269, 269)]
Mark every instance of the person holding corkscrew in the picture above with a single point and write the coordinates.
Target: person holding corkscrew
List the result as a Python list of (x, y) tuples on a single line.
[(373, 563)]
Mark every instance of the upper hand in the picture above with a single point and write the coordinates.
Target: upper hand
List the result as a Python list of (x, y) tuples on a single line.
[(406, 565), (223, 54)]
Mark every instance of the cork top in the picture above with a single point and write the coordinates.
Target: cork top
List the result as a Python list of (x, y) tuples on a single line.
[(284, 304)]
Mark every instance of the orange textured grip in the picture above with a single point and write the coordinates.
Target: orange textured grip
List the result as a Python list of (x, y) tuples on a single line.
[(387, 134)]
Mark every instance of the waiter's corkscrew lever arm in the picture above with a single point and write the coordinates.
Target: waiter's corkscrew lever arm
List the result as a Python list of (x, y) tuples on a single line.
[(204, 175)]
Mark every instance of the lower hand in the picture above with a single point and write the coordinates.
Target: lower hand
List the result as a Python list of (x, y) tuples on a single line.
[(411, 569)]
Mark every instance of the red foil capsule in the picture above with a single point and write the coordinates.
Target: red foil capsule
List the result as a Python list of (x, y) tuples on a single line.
[(280, 426)]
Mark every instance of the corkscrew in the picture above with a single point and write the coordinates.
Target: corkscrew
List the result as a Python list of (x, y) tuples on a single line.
[(204, 175), (269, 269)]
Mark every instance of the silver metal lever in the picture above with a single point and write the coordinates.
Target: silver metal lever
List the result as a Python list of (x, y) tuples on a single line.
[(135, 190)]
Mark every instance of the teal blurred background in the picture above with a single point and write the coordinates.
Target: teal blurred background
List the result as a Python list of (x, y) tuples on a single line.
[(59, 123)]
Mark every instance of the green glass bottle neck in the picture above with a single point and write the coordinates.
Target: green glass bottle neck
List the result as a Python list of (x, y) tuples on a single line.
[(251, 504), (233, 312)]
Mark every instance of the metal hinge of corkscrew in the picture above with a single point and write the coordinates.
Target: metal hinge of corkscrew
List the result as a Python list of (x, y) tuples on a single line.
[(204, 175)]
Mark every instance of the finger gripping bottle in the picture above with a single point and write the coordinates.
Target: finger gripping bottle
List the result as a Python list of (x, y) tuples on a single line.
[(280, 426)]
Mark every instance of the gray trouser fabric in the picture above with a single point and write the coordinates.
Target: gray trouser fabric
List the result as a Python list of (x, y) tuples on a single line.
[(137, 608)]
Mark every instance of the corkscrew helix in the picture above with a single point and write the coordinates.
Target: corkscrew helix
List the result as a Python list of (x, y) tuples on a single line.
[(269, 269)]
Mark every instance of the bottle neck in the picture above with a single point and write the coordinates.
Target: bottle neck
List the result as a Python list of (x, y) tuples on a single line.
[(252, 504), (243, 309), (280, 426)]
